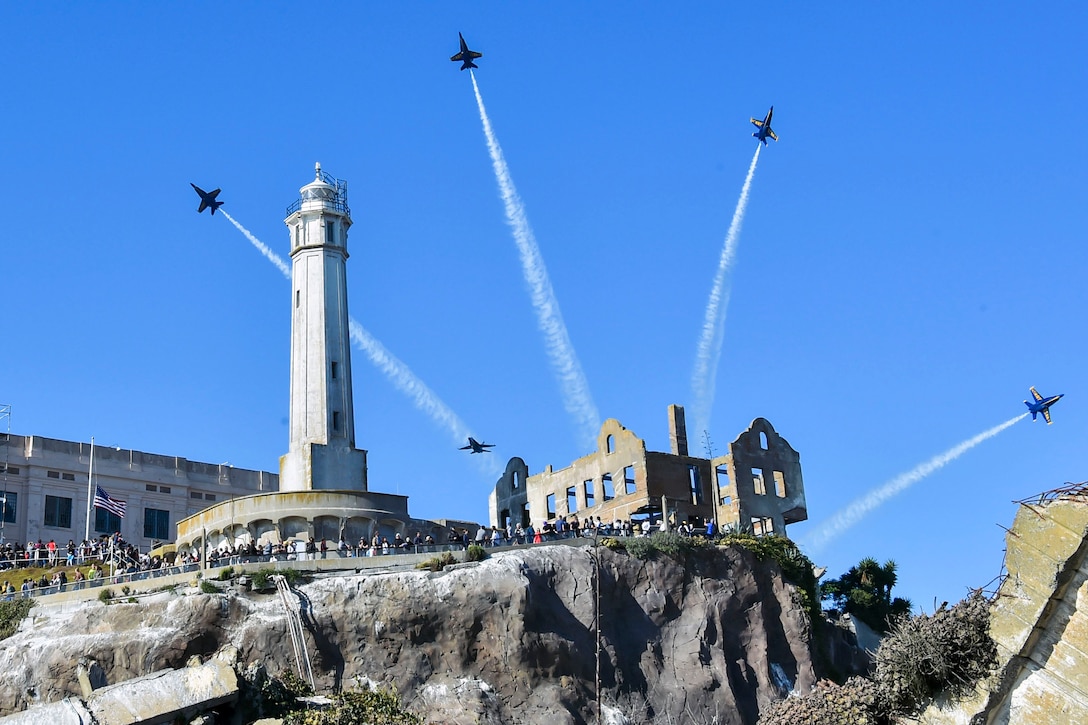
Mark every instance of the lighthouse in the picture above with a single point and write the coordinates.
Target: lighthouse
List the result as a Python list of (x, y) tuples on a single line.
[(321, 453)]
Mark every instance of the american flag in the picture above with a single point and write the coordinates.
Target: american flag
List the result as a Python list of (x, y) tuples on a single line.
[(102, 500)]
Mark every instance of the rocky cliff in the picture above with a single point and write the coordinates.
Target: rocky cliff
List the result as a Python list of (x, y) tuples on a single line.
[(709, 636)]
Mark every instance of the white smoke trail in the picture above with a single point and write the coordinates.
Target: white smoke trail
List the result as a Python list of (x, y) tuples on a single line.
[(261, 246), (572, 381), (857, 510), (709, 350), (398, 373)]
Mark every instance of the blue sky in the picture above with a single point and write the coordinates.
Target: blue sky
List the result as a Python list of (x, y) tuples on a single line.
[(912, 258)]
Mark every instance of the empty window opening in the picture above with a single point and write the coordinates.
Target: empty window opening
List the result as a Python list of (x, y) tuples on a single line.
[(629, 479), (504, 518), (551, 505), (572, 500), (696, 485), (762, 525), (610, 444), (763, 440), (336, 420), (334, 370), (587, 489), (517, 479), (779, 484), (722, 474), (607, 491), (525, 519), (298, 297), (726, 500), (758, 483)]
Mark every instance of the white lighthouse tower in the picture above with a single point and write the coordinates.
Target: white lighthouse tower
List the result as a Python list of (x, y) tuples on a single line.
[(322, 452)]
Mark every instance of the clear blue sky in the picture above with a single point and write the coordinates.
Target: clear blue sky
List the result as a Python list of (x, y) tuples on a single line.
[(913, 256)]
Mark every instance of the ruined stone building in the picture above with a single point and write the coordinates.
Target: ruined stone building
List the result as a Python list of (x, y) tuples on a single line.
[(756, 486)]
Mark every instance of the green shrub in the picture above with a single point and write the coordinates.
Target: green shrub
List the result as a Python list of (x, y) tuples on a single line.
[(226, 574), (105, 596), (475, 552), (126, 590), (367, 707), (11, 613), (666, 542), (208, 588), (437, 563), (262, 578), (795, 566)]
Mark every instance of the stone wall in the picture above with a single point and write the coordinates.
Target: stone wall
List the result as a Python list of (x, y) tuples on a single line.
[(1040, 623)]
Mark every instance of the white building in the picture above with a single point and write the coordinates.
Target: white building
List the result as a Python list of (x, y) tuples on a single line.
[(44, 484)]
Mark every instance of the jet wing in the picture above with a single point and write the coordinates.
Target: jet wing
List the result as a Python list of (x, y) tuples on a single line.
[(757, 123), (772, 134), (1035, 394), (1046, 414)]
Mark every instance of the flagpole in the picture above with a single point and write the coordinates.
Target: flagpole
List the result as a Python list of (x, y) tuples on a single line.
[(90, 492)]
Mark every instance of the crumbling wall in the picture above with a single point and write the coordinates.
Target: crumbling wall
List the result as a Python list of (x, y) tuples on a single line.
[(1039, 622)]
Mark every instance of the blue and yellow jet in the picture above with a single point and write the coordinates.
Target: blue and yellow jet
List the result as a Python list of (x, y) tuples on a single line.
[(476, 447), (466, 57), (764, 127), (1039, 404)]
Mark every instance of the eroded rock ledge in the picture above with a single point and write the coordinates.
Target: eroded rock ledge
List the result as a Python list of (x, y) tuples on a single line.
[(508, 640)]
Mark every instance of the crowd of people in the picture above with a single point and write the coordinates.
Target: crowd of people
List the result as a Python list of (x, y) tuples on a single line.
[(562, 528), (91, 559)]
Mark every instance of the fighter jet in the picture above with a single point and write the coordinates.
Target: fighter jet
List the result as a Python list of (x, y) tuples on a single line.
[(207, 199), (1039, 404), (476, 447), (764, 127), (466, 56)]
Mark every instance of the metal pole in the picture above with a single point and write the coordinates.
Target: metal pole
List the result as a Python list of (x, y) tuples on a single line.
[(90, 492), (597, 620)]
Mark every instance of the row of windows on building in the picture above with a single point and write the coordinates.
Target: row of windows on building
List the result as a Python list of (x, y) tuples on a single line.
[(58, 515), (759, 486), (608, 492)]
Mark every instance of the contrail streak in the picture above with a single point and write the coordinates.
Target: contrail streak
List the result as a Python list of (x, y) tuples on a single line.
[(261, 246), (398, 373), (857, 510), (709, 350), (572, 381)]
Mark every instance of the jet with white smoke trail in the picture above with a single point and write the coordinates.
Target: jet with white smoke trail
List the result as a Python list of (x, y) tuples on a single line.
[(860, 508), (709, 350), (572, 381)]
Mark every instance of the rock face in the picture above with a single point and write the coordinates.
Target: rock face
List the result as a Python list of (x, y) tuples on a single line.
[(508, 640)]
